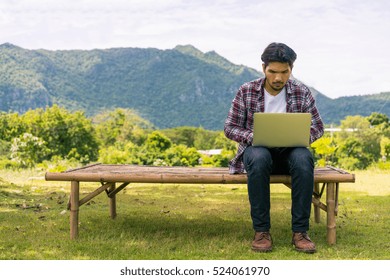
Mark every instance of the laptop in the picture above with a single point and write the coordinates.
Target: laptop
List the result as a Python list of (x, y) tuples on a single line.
[(281, 129)]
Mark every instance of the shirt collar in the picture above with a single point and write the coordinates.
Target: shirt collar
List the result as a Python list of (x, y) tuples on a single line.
[(260, 84)]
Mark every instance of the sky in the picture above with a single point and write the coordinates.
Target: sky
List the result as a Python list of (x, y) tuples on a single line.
[(343, 46)]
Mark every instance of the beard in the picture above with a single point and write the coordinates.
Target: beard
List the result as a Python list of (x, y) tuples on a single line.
[(276, 86)]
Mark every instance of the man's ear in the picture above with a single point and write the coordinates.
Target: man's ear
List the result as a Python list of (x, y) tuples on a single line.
[(264, 66)]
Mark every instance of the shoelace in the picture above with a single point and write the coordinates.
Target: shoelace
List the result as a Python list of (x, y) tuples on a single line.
[(265, 235), (301, 236)]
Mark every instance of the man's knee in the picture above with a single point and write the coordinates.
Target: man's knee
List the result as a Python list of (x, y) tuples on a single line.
[(301, 157), (257, 158)]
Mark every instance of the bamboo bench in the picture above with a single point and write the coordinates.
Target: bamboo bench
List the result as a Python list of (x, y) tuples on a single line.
[(109, 175)]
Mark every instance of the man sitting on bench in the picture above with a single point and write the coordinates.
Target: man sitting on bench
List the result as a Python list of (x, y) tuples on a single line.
[(274, 93)]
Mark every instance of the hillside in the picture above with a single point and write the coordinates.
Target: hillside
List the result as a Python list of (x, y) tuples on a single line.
[(334, 110), (176, 87)]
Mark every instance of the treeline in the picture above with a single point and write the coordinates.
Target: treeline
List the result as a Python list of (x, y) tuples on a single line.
[(56, 139)]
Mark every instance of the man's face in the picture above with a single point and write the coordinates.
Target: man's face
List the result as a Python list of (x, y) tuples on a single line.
[(277, 75)]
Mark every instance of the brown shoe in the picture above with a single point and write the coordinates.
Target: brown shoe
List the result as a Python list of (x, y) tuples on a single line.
[(262, 242), (303, 243)]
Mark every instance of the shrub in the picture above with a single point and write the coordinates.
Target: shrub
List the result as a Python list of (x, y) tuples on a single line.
[(28, 149)]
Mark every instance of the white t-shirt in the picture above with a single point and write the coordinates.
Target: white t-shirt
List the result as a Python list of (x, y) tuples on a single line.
[(275, 104)]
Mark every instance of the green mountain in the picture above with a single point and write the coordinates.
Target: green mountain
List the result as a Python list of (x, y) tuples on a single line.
[(334, 110), (176, 87)]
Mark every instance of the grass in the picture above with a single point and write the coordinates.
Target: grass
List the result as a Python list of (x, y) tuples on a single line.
[(182, 222)]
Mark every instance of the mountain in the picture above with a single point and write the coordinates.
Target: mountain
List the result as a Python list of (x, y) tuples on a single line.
[(334, 110), (175, 87)]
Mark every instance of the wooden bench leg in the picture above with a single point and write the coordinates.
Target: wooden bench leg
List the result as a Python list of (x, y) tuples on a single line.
[(331, 213), (317, 210), (74, 209), (112, 202)]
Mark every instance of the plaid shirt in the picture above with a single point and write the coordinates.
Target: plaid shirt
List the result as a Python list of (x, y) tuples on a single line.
[(250, 99)]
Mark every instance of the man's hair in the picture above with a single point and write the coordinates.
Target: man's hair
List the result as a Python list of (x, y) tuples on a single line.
[(278, 52)]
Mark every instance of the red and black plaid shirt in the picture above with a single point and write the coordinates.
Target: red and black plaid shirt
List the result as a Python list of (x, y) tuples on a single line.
[(250, 99)]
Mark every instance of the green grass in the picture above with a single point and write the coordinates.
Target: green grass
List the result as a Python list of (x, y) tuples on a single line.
[(186, 222)]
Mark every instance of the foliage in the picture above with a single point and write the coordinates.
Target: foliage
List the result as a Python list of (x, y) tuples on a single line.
[(120, 125), (28, 149), (41, 135), (351, 155), (222, 142), (11, 126), (58, 164), (196, 137), (68, 135), (220, 160), (157, 142), (360, 144), (119, 154), (383, 165), (378, 119), (181, 155), (385, 147), (325, 148), (157, 150)]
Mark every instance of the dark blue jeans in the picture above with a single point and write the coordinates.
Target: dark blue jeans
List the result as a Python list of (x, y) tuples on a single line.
[(260, 163)]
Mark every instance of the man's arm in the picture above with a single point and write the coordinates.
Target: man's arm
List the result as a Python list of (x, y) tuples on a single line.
[(236, 121), (317, 126)]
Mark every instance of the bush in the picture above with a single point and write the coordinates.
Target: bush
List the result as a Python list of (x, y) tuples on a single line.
[(128, 153), (181, 155), (383, 165), (68, 135), (58, 164), (28, 149), (6, 163)]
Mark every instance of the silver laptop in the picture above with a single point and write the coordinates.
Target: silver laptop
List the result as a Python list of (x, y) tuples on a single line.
[(281, 129)]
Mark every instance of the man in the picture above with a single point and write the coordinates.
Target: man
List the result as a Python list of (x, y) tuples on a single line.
[(274, 93)]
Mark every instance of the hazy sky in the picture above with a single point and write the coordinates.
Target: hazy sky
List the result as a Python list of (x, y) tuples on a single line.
[(343, 46)]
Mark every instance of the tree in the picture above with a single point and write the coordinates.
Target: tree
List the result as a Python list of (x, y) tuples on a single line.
[(385, 148), (358, 124), (325, 148), (28, 150), (122, 153), (157, 142), (351, 154), (11, 126), (68, 135), (181, 155), (377, 119), (121, 125), (222, 142), (360, 147), (196, 137)]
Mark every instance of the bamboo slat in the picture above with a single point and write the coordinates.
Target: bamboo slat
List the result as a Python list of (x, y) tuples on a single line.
[(154, 174)]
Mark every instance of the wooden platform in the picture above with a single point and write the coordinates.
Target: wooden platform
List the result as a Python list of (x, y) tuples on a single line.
[(109, 175)]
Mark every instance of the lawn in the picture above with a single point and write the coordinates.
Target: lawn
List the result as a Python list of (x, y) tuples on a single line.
[(182, 222)]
